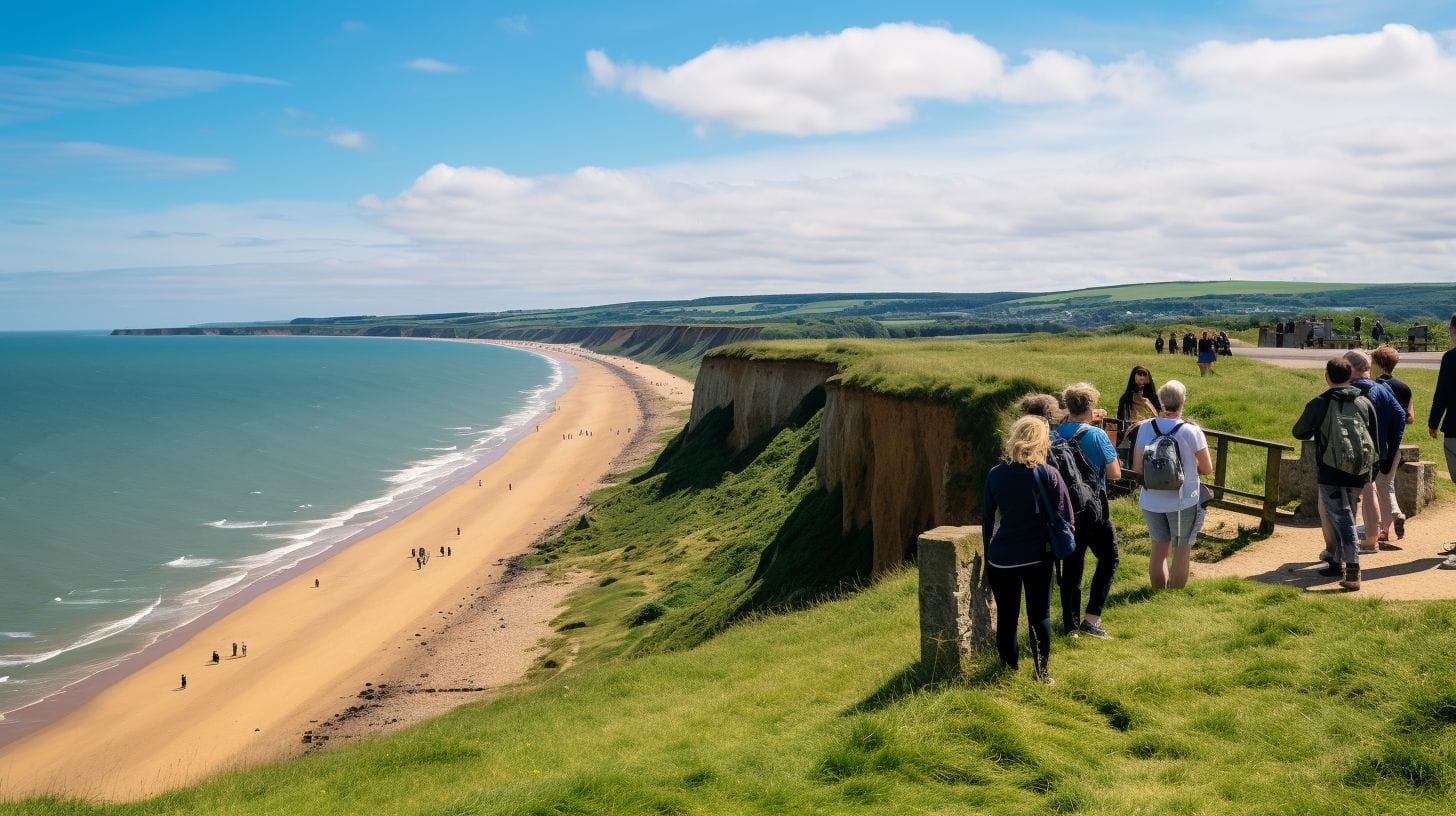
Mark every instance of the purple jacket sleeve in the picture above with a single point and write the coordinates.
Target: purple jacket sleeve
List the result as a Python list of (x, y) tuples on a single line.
[(1061, 496)]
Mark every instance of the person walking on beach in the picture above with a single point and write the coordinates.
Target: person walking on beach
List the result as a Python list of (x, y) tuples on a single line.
[(449, 551), (235, 648), (1339, 421), (184, 682), (1443, 420), (1018, 554), (1171, 453), (442, 551), (215, 658), (1094, 530), (245, 648)]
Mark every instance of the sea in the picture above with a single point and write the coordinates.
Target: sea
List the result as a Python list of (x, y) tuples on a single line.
[(144, 481)]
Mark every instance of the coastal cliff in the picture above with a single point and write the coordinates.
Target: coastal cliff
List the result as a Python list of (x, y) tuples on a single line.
[(900, 464)]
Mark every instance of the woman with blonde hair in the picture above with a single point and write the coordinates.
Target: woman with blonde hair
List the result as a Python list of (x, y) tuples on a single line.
[(1018, 549)]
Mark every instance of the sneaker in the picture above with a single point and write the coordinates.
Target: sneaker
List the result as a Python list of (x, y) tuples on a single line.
[(1368, 549), (1043, 677), (1449, 563), (1332, 570), (1387, 546), (1382, 538), (1351, 581), (1087, 627), (1450, 549), (1400, 526)]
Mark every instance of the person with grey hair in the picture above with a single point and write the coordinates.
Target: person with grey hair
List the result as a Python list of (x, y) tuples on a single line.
[(1443, 420), (1386, 433), (1172, 511)]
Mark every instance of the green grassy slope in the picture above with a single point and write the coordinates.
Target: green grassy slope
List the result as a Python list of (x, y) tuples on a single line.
[(1229, 697), (1186, 289)]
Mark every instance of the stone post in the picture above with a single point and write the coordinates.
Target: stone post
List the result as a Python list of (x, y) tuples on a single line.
[(957, 612)]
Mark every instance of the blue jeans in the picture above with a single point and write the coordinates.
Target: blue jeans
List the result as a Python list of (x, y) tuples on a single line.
[(1341, 504)]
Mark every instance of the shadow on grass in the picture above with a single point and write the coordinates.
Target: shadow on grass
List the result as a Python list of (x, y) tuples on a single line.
[(913, 679)]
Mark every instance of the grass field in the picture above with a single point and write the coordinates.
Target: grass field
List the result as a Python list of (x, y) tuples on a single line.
[(1186, 289), (678, 685)]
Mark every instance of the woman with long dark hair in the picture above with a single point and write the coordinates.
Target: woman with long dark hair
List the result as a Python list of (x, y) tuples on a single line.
[(1139, 401)]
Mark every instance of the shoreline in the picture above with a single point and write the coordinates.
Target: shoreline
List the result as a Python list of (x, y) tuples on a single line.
[(139, 734), (19, 722)]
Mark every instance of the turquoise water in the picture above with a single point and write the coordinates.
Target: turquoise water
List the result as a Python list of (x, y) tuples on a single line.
[(145, 480)]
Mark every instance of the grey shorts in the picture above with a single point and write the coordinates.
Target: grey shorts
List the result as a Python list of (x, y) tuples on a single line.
[(1179, 527), (1451, 457)]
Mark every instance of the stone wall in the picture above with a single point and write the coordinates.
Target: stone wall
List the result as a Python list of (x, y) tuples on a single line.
[(1415, 482)]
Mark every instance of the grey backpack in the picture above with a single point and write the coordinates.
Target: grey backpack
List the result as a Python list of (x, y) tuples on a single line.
[(1162, 463)]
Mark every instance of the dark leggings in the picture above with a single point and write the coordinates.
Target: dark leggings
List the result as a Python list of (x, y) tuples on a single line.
[(1101, 539), (1007, 584)]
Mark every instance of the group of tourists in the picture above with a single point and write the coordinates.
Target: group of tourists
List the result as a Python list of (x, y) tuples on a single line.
[(1046, 505), (1208, 348)]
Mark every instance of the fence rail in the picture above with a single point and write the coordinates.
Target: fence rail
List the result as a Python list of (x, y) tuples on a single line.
[(1264, 506)]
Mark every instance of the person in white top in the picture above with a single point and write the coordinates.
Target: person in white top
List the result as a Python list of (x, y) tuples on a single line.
[(1174, 517)]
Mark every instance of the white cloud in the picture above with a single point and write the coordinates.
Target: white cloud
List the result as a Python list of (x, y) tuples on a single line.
[(860, 79), (49, 86), (854, 81), (1396, 59), (514, 24), (431, 66), (351, 139)]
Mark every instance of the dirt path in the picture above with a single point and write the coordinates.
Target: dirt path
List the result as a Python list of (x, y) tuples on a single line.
[(1315, 358), (1289, 557)]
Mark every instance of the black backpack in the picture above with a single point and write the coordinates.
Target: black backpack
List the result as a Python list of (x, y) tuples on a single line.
[(1071, 463)]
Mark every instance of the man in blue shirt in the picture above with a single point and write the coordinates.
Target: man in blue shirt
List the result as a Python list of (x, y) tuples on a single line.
[(1081, 404), (1390, 427)]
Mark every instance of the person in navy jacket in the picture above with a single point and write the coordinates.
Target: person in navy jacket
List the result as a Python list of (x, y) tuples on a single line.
[(1018, 548)]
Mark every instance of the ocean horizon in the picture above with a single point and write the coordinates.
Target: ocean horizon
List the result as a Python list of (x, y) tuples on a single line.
[(147, 481)]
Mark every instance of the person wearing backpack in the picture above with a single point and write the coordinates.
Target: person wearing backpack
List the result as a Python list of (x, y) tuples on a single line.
[(1098, 463), (1014, 519), (1171, 453), (1340, 422), (1387, 433)]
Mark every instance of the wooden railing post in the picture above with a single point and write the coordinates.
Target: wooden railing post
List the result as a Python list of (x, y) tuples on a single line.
[(1220, 467), (1271, 491)]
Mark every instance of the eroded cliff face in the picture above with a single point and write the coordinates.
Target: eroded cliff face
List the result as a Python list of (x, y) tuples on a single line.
[(899, 463), (763, 393)]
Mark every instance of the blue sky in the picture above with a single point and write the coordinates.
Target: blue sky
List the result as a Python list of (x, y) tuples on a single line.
[(177, 163)]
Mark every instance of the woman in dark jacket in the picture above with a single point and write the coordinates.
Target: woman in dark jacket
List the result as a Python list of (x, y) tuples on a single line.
[(1018, 551), (1139, 400)]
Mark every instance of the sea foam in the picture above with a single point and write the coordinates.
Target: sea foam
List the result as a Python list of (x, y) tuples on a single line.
[(96, 635)]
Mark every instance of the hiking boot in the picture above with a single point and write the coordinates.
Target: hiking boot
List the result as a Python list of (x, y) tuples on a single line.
[(1351, 581), (1400, 526), (1332, 570), (1091, 629), (1449, 563)]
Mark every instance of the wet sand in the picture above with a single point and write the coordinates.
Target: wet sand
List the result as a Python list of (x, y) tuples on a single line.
[(311, 647)]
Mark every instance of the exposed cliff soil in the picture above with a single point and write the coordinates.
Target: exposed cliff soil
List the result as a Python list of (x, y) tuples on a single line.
[(763, 396), (899, 464)]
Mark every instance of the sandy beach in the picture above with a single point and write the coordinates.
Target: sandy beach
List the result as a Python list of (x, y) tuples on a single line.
[(372, 616)]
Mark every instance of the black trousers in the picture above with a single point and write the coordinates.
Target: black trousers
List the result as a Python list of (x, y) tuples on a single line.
[(1007, 585), (1101, 539)]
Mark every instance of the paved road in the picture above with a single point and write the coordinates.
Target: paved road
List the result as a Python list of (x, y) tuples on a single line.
[(1315, 358)]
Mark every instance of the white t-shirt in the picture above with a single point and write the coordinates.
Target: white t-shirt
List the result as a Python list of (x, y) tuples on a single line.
[(1190, 440)]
